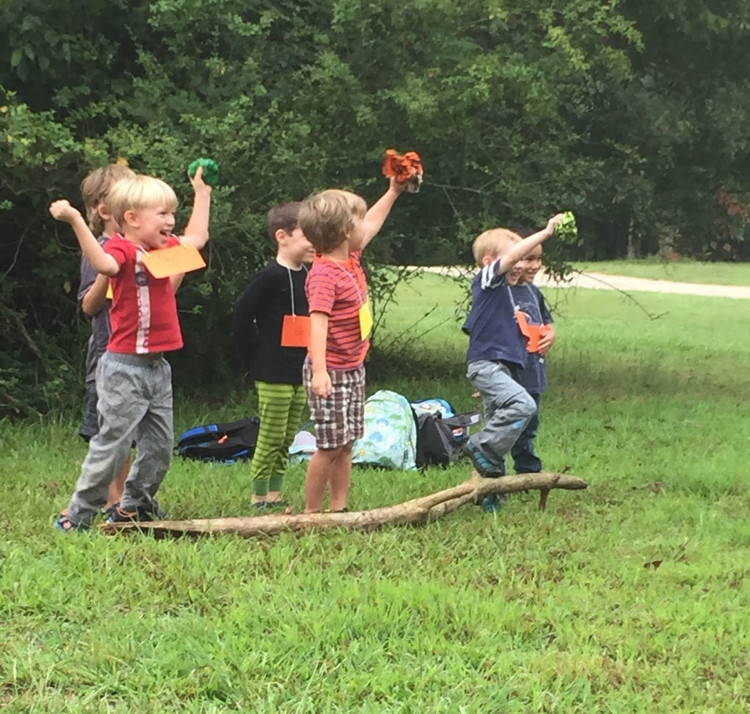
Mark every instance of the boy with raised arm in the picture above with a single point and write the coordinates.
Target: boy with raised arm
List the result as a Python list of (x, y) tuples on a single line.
[(497, 349), (134, 380), (339, 226)]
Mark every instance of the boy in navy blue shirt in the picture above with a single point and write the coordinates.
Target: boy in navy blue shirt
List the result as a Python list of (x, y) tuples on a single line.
[(497, 349), (541, 335)]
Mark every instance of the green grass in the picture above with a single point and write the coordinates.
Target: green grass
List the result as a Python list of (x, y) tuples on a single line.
[(684, 271), (523, 611)]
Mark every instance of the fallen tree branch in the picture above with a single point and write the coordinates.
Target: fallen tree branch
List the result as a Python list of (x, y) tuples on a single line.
[(418, 511)]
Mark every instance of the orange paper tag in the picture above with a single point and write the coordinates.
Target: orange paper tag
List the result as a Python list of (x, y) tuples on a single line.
[(174, 260), (295, 331), (532, 333)]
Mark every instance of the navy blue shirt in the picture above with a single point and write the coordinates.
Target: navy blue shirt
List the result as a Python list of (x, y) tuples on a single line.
[(491, 325), (529, 299)]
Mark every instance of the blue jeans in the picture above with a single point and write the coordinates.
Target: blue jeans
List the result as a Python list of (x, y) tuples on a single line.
[(508, 407), (525, 459)]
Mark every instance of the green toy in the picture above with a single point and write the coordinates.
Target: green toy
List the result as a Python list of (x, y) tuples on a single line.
[(567, 230), (210, 170)]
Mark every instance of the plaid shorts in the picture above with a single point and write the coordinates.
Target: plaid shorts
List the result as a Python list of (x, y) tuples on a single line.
[(339, 418)]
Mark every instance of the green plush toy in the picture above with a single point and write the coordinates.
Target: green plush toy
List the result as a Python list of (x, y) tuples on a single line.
[(210, 170), (567, 230)]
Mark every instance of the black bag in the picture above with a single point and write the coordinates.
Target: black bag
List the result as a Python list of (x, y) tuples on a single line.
[(440, 439), (227, 442)]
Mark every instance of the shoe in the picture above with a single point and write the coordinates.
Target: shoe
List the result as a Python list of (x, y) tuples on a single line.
[(120, 515), (493, 502), (269, 505), (107, 512), (481, 463), (64, 524)]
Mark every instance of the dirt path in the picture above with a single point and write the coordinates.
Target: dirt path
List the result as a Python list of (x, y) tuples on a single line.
[(601, 281)]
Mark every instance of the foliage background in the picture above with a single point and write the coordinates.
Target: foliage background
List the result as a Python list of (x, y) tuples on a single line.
[(628, 113)]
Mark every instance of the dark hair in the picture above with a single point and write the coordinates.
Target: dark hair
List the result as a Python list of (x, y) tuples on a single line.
[(284, 216)]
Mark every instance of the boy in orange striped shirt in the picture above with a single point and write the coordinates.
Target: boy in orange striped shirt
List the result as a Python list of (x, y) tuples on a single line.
[(339, 226)]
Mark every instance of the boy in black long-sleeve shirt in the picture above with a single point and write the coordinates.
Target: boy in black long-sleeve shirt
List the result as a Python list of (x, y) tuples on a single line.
[(272, 327)]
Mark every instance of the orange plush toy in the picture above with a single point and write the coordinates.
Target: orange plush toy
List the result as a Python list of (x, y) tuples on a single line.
[(406, 169)]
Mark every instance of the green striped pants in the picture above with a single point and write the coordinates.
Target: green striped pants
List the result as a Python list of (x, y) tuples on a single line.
[(280, 409)]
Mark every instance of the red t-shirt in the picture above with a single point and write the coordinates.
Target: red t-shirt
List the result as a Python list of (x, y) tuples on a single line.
[(339, 289), (144, 310)]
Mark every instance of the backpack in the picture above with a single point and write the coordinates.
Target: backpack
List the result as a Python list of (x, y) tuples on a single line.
[(390, 438), (228, 442), (441, 433)]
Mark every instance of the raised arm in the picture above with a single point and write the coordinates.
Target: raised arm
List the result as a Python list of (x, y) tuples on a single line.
[(196, 231), (379, 211), (522, 248), (100, 261)]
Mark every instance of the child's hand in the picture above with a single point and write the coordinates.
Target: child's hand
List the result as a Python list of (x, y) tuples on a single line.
[(395, 186), (63, 211), (197, 181), (547, 340), (321, 384), (553, 222)]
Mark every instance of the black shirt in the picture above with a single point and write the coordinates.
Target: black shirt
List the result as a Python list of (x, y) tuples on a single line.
[(258, 317)]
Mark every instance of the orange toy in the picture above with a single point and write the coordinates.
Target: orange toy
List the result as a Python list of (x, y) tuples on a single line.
[(406, 169)]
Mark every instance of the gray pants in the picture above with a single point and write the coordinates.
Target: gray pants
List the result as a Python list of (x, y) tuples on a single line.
[(135, 404), (508, 407)]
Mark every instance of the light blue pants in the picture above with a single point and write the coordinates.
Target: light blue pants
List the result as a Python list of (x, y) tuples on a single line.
[(135, 404), (508, 407)]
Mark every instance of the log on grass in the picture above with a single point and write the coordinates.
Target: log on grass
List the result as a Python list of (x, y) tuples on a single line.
[(418, 511)]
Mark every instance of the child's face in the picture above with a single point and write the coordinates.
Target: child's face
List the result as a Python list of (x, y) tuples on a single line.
[(514, 275), (151, 226), (294, 247), (357, 236), (531, 265)]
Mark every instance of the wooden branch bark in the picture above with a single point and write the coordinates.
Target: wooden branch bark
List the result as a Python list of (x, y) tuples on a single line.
[(418, 511)]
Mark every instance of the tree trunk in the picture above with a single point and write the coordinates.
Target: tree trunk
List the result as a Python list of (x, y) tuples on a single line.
[(415, 512)]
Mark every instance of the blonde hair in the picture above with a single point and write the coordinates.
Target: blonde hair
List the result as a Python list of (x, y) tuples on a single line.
[(96, 187), (328, 218), (493, 242), (136, 192)]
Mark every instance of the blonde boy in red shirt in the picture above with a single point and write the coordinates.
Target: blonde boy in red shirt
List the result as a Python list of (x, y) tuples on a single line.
[(134, 380), (339, 226)]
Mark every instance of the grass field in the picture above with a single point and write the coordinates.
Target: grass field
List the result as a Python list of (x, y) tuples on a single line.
[(631, 596), (684, 271)]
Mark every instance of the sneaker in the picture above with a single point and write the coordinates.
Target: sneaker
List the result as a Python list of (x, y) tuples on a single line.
[(64, 524), (107, 512), (493, 502), (120, 515), (481, 463), (269, 505)]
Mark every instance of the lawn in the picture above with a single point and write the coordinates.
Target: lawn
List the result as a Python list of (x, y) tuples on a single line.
[(682, 271), (631, 596)]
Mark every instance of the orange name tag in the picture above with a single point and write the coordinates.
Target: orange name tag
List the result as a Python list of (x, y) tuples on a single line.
[(532, 333), (174, 260), (295, 331), (535, 334)]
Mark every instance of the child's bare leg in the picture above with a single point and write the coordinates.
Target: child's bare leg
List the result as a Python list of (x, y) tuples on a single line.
[(117, 486), (341, 476), (319, 472)]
